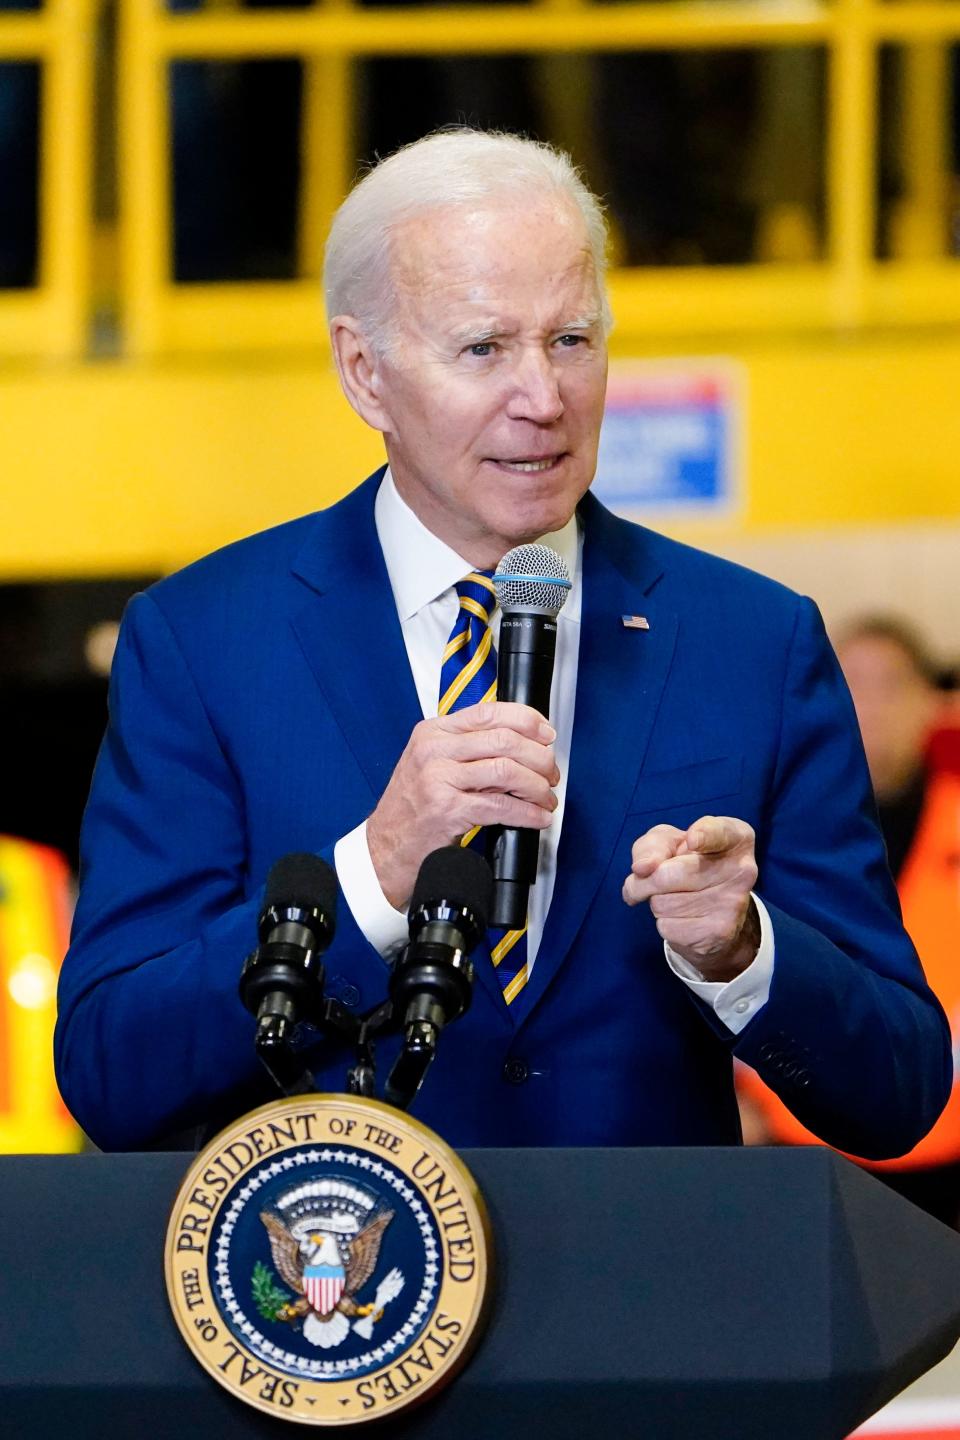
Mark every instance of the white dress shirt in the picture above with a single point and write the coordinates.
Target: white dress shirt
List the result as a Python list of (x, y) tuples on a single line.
[(423, 571)]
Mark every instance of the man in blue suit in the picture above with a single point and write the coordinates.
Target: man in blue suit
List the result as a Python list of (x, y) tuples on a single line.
[(283, 695)]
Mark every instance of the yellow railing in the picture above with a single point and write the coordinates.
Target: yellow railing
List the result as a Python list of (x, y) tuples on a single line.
[(52, 317), (848, 289)]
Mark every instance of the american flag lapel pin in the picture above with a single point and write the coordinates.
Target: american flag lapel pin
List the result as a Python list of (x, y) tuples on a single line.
[(635, 622)]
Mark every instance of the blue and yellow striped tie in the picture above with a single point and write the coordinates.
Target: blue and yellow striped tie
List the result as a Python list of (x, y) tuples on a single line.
[(468, 676)]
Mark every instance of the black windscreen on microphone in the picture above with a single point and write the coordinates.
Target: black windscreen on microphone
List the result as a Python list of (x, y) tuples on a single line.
[(301, 881), (460, 878), (532, 584)]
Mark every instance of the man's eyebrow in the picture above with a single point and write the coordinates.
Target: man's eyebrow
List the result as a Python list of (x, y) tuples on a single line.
[(476, 334), (582, 322), (481, 332)]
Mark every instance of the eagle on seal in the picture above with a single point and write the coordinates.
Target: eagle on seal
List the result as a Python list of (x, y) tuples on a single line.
[(311, 1263)]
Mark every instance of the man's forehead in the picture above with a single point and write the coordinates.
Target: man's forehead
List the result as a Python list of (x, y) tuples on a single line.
[(471, 235), (471, 257)]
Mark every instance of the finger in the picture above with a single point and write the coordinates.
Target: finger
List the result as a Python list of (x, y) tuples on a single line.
[(635, 890), (712, 834), (506, 776), (522, 718), (652, 848), (733, 870), (488, 744), (489, 807), (686, 874)]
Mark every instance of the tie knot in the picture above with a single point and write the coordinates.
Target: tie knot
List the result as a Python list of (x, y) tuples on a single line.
[(477, 594)]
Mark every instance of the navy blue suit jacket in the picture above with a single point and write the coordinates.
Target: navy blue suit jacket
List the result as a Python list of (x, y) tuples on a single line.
[(260, 701)]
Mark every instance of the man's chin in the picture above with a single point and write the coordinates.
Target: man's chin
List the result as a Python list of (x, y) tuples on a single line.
[(533, 520)]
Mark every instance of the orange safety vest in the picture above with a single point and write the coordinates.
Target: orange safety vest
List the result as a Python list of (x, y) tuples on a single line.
[(929, 889), (34, 929)]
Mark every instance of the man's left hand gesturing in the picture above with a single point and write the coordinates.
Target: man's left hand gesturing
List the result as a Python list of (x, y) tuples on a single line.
[(698, 883)]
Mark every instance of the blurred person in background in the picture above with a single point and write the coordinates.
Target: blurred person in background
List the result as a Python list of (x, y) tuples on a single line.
[(895, 684)]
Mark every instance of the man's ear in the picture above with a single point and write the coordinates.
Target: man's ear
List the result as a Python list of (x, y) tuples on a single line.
[(358, 366)]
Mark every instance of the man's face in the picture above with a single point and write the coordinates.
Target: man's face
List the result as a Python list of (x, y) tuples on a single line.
[(493, 394), (895, 706)]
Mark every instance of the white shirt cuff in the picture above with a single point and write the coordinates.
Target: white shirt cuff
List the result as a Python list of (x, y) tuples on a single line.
[(735, 1001), (385, 928)]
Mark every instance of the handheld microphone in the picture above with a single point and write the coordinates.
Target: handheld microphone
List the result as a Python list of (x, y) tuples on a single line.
[(433, 980), (532, 584), (282, 981)]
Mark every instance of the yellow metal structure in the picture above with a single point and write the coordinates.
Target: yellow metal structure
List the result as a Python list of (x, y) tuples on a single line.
[(51, 319), (849, 289), (140, 468)]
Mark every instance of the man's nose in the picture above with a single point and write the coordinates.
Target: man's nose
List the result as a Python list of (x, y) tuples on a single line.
[(536, 389)]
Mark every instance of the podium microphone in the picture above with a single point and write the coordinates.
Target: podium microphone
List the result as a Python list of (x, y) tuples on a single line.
[(433, 980), (532, 583), (282, 981)]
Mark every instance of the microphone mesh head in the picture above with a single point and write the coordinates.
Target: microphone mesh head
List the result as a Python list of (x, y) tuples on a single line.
[(302, 880), (532, 578)]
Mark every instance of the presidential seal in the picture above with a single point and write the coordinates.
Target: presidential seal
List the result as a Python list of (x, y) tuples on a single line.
[(327, 1260)]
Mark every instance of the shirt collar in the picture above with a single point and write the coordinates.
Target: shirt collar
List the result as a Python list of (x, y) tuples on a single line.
[(421, 566)]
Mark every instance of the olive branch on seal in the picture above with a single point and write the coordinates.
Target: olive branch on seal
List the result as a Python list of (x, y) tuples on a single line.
[(269, 1299)]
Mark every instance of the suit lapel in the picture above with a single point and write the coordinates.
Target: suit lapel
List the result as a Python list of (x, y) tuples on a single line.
[(351, 637), (621, 675)]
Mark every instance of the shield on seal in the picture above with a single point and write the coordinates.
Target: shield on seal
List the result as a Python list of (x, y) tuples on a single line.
[(323, 1286)]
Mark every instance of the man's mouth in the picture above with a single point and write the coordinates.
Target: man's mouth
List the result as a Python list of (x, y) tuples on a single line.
[(530, 467)]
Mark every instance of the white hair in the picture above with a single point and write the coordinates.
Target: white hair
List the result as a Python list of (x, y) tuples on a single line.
[(454, 166)]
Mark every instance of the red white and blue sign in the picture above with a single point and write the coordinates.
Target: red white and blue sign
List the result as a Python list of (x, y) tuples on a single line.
[(671, 437)]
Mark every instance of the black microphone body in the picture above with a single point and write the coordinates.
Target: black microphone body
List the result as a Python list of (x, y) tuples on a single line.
[(525, 656), (531, 582), (282, 981), (432, 983)]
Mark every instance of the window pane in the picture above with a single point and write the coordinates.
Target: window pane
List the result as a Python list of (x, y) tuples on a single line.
[(918, 154), (400, 99), (704, 158), (19, 173), (236, 168)]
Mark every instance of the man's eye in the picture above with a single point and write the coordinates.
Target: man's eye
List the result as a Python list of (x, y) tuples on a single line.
[(570, 341), (481, 348)]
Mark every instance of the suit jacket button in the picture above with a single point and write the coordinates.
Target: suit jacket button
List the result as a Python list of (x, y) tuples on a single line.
[(350, 996), (515, 1072)]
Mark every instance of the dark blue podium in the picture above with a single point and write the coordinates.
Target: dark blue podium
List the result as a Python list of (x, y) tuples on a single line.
[(662, 1294)]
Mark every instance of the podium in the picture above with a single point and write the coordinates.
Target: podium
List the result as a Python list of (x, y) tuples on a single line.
[(714, 1294)]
